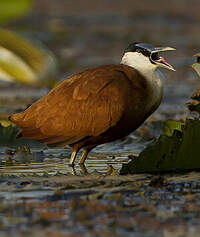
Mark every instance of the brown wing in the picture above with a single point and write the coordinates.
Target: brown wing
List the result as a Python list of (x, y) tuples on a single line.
[(86, 104)]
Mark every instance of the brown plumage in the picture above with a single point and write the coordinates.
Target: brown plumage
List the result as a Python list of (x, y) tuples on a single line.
[(96, 106), (86, 105)]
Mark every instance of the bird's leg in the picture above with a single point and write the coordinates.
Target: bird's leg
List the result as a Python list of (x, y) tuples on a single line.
[(83, 169), (73, 170), (83, 156), (85, 152), (73, 155)]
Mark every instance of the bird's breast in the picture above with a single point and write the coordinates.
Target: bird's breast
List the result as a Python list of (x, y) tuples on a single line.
[(155, 92)]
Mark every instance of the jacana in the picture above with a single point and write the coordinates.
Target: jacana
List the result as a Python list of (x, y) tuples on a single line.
[(98, 105)]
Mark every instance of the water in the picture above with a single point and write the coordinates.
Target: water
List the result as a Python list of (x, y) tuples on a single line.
[(56, 162)]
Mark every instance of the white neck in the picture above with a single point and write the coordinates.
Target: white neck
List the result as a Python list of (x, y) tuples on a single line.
[(147, 69), (140, 63)]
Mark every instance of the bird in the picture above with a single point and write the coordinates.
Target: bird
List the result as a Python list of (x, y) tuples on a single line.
[(100, 104)]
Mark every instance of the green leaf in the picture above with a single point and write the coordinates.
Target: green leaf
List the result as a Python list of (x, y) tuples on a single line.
[(11, 9), (5, 123), (180, 152), (8, 136), (171, 125)]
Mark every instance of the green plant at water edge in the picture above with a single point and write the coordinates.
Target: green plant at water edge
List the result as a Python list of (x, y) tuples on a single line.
[(169, 126), (179, 152), (8, 136)]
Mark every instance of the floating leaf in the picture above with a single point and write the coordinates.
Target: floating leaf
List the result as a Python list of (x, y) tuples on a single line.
[(11, 9), (180, 152), (171, 125)]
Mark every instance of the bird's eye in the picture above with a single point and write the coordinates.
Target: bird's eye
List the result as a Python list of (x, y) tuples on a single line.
[(138, 50), (155, 56)]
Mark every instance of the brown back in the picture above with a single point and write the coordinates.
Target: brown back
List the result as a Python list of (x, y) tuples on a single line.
[(86, 104)]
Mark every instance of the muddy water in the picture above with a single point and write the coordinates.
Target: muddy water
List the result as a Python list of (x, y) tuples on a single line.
[(55, 162)]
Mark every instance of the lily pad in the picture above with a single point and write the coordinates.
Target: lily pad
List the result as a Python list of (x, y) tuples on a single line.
[(179, 152), (171, 125)]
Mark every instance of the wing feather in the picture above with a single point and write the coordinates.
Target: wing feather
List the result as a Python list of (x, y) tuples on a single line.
[(87, 104)]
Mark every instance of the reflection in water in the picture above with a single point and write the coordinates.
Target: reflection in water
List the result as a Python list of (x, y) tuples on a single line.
[(41, 162), (56, 162), (82, 168)]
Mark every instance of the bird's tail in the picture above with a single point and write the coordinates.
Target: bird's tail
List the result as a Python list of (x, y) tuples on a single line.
[(15, 118)]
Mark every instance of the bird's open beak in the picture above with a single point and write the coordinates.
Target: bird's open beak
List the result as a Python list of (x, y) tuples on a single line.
[(160, 61)]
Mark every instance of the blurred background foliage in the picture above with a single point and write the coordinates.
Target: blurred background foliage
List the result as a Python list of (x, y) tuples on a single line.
[(11, 9), (22, 59)]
